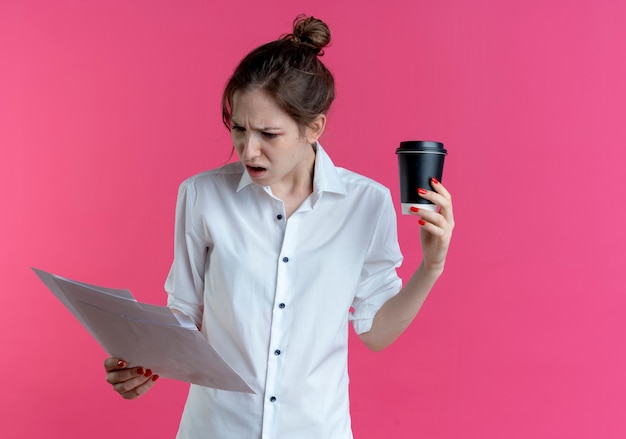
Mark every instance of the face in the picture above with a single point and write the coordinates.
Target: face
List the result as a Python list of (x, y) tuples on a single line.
[(269, 142)]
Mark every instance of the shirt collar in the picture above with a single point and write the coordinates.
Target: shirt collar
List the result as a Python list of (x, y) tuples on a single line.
[(325, 175)]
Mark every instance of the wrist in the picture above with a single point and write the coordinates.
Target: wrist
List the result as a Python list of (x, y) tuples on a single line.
[(432, 269)]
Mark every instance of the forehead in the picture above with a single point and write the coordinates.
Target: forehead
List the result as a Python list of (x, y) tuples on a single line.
[(257, 106)]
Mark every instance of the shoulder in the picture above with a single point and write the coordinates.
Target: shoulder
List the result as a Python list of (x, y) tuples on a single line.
[(226, 175), (211, 185), (234, 169), (356, 182), (366, 197)]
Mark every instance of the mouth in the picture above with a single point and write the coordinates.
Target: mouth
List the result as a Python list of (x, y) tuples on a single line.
[(256, 171)]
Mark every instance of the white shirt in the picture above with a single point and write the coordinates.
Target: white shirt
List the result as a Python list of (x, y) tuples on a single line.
[(274, 297)]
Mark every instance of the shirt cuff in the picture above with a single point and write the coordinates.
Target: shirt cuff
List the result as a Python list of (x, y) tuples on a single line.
[(362, 317)]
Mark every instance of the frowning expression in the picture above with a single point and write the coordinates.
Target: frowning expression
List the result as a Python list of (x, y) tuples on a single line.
[(269, 142)]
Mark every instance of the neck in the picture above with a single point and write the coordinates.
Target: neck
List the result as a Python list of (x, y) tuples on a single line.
[(302, 181), (294, 191)]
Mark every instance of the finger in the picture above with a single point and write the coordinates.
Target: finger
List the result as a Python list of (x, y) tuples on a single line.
[(440, 188), (433, 223), (441, 219), (441, 198), (425, 213), (434, 197), (111, 364), (129, 386), (123, 375), (141, 389), (432, 217)]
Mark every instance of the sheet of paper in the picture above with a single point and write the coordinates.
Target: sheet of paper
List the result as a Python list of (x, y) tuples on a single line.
[(147, 335)]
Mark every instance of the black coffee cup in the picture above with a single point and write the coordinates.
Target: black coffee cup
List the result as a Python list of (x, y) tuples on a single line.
[(418, 161)]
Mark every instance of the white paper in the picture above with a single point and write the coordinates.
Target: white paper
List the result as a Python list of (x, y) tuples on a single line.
[(145, 335)]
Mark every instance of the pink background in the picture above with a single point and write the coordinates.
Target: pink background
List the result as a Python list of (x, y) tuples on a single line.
[(105, 106)]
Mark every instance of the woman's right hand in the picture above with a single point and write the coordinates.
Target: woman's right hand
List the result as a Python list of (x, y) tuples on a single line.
[(131, 382)]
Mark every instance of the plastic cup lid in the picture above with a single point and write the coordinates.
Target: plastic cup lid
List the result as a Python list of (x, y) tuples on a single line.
[(421, 145)]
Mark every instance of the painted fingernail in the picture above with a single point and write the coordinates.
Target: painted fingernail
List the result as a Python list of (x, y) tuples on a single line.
[(434, 180), (421, 191), (422, 222), (140, 371), (148, 373), (154, 378), (414, 209), (121, 363)]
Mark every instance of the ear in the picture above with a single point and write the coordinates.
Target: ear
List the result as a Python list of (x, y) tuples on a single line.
[(315, 129)]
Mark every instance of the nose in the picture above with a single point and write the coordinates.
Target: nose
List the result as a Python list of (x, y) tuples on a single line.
[(249, 147)]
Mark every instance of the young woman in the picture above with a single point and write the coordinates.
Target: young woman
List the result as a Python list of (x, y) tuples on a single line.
[(276, 253)]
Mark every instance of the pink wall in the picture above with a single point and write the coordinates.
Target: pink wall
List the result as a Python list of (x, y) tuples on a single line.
[(106, 106)]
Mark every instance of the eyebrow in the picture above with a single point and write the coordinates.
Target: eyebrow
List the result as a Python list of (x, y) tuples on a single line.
[(234, 123)]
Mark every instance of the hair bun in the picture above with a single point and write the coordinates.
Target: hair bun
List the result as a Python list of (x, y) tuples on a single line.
[(310, 32)]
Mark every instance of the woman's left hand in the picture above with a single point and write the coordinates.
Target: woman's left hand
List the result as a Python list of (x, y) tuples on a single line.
[(436, 227)]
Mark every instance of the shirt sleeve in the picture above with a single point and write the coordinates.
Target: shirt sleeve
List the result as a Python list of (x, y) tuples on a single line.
[(185, 281), (379, 279)]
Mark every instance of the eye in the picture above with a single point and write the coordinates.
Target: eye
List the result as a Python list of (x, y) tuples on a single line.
[(269, 135), (237, 128)]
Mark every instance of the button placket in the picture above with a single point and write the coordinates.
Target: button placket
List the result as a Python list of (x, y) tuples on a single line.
[(279, 330)]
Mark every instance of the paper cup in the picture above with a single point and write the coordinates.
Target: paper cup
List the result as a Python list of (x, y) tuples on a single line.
[(418, 162)]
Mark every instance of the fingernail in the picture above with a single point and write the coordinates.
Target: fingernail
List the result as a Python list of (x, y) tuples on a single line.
[(434, 180), (148, 373), (421, 191), (154, 378), (414, 209), (422, 222), (140, 371), (121, 363)]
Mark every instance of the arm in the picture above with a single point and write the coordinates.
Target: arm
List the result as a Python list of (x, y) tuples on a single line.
[(186, 276), (399, 311)]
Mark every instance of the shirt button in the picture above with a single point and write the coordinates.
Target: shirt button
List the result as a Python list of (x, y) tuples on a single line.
[(273, 399), (277, 352), (279, 217), (285, 259), (281, 306)]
